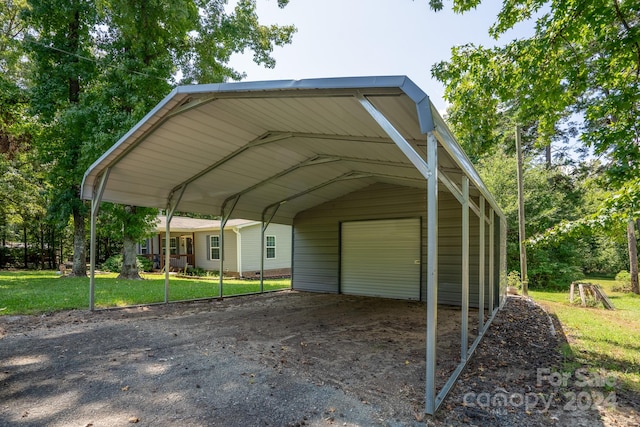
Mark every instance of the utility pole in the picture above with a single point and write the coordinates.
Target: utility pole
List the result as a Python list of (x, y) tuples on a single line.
[(523, 251)]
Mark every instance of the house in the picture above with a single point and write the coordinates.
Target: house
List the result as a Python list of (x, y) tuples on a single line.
[(381, 198), (196, 243)]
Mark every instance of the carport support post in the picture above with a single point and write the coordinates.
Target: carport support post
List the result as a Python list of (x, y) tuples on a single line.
[(432, 274), (172, 204), (481, 269), (464, 327), (503, 261), (492, 266), (95, 207), (223, 221), (167, 254), (263, 229)]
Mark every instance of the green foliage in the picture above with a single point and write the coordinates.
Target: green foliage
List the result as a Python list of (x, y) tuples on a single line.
[(576, 77), (114, 264), (550, 196), (201, 272), (622, 282), (599, 337), (77, 74), (513, 279), (583, 60)]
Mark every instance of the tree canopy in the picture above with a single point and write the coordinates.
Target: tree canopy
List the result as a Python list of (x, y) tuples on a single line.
[(582, 65), (575, 78), (87, 70)]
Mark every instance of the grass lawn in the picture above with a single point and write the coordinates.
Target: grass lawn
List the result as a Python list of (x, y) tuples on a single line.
[(599, 338), (34, 292)]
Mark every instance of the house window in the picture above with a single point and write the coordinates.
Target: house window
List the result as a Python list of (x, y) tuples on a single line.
[(215, 247), (143, 247), (173, 245), (271, 246)]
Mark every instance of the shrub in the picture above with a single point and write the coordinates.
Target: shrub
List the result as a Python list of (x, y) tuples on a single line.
[(200, 272), (513, 279), (623, 282), (114, 264)]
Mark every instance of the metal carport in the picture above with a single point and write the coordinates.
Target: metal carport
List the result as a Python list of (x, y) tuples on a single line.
[(269, 150)]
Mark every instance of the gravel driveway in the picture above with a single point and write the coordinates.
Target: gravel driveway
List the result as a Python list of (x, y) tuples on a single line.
[(278, 359)]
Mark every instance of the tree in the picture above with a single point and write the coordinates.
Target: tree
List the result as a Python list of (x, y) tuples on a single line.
[(583, 61), (550, 196), (148, 39), (100, 66), (61, 45)]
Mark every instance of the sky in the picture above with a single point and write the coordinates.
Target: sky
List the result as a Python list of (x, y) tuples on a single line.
[(344, 38)]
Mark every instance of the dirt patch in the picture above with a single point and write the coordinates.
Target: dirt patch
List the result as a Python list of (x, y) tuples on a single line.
[(280, 359)]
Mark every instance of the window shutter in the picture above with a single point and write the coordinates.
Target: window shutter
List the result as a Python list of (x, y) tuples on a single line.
[(208, 248)]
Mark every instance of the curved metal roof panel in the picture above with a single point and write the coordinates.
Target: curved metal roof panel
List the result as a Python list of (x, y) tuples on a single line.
[(283, 146)]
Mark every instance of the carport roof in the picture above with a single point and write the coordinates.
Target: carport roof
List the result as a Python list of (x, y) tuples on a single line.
[(275, 148)]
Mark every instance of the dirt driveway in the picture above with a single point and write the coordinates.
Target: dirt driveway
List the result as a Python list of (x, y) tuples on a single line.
[(279, 359)]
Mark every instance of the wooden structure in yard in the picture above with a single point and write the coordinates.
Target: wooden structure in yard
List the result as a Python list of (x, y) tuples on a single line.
[(590, 290)]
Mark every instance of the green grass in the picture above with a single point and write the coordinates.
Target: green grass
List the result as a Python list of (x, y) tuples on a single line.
[(34, 292), (599, 338)]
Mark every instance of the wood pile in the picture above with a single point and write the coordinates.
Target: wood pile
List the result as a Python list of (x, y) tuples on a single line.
[(590, 290)]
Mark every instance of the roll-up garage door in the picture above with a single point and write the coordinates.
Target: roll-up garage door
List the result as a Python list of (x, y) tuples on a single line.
[(381, 258)]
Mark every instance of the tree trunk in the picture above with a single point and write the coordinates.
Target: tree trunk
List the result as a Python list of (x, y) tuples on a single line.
[(633, 256), (26, 247), (52, 247), (42, 252), (129, 255), (79, 245), (521, 224), (547, 155)]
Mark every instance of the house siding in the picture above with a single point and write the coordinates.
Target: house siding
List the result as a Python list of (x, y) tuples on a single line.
[(317, 239), (230, 263), (251, 249)]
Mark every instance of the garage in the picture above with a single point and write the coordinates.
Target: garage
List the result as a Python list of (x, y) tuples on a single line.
[(378, 192)]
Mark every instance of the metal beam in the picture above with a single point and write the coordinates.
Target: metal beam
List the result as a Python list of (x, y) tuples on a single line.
[(432, 274), (396, 137), (492, 264), (481, 266), (98, 192), (172, 203), (457, 193), (224, 217), (464, 327), (263, 228), (503, 261)]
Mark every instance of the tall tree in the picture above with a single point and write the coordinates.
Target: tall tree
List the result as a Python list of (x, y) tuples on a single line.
[(583, 61), (100, 66), (61, 45), (151, 42)]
